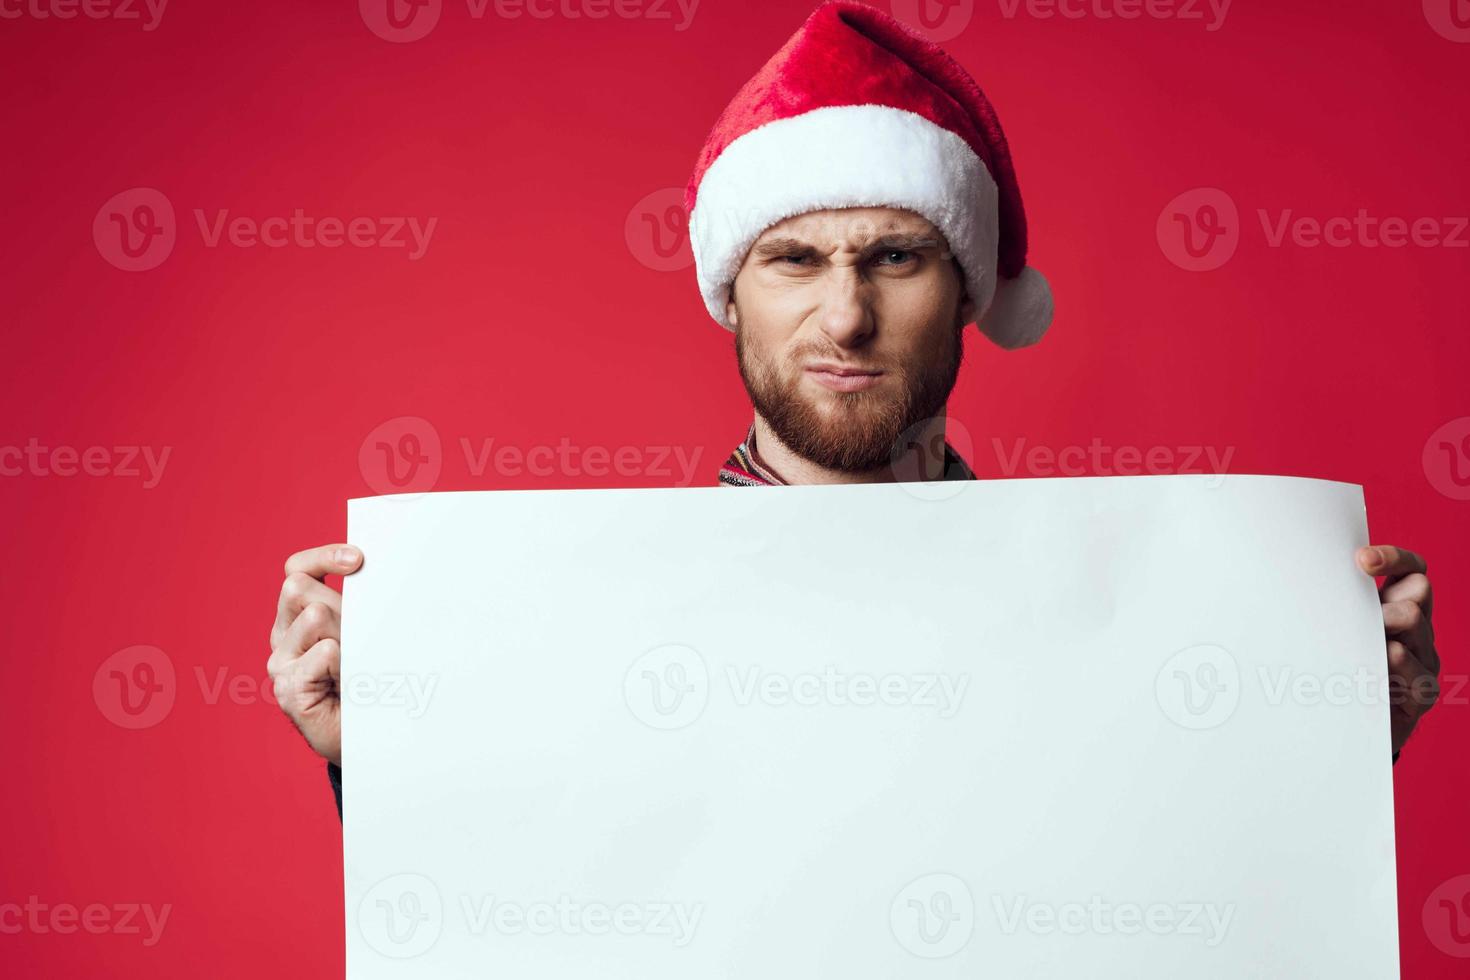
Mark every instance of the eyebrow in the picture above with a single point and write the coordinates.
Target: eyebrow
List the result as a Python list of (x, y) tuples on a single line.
[(905, 241), (774, 247)]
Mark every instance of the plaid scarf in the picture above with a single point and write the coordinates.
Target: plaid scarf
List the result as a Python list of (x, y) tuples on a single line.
[(745, 469)]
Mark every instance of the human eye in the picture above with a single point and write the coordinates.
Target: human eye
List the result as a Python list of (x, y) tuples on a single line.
[(899, 257)]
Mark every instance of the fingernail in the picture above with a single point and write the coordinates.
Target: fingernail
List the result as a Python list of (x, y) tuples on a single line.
[(347, 556), (1372, 556)]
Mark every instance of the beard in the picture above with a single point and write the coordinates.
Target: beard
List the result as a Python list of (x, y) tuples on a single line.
[(857, 431)]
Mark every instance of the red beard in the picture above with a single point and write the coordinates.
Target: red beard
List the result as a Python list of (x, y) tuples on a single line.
[(859, 431)]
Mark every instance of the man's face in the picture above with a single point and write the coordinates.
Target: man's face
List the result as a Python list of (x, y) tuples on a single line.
[(848, 331)]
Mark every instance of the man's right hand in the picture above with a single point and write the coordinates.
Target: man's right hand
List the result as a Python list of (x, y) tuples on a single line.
[(306, 645)]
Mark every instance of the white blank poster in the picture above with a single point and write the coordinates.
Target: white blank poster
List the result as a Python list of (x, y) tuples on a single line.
[(1105, 727)]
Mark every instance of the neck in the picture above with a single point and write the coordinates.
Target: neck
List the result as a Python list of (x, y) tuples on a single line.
[(921, 459)]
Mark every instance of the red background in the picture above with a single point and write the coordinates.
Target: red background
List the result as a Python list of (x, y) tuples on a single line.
[(531, 319)]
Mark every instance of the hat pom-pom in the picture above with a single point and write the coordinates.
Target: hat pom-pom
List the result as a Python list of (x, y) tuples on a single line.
[(1020, 312)]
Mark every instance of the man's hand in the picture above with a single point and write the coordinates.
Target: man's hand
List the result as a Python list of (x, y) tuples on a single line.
[(1413, 663), (306, 651)]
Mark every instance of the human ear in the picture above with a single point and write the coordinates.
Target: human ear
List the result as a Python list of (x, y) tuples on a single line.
[(967, 310)]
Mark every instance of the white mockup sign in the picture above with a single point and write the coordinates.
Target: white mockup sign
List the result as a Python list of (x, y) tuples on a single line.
[(1103, 727)]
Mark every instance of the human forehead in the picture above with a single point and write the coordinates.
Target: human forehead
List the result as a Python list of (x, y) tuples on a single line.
[(852, 227)]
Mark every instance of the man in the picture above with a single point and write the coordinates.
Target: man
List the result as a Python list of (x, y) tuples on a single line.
[(853, 209)]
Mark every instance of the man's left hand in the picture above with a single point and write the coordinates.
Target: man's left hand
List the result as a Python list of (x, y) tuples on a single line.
[(1413, 663)]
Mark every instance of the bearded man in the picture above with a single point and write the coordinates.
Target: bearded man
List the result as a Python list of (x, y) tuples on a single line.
[(854, 208)]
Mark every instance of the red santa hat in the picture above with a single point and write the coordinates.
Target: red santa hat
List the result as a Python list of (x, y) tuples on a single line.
[(857, 110)]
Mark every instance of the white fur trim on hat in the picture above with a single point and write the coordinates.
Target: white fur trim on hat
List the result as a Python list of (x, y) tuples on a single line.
[(857, 156), (1020, 312)]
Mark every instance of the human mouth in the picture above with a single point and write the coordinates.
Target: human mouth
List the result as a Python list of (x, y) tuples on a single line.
[(839, 378)]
